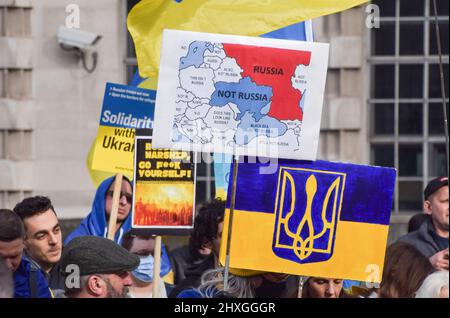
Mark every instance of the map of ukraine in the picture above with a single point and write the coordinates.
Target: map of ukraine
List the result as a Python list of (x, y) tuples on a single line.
[(240, 92)]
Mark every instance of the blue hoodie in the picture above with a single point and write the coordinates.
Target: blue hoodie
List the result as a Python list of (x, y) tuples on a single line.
[(95, 224)]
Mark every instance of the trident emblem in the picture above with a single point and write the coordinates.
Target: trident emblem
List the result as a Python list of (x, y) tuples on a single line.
[(307, 213)]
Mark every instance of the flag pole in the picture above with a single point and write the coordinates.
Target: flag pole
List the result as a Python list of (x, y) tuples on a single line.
[(156, 267), (441, 75), (301, 283), (230, 221)]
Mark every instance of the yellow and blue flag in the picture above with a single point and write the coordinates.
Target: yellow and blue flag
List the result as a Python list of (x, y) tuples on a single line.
[(149, 18), (308, 218)]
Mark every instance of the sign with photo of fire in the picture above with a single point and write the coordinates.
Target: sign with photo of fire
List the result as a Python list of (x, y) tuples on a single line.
[(164, 189)]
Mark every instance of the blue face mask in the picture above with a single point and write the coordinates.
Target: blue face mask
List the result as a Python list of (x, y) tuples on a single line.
[(144, 272)]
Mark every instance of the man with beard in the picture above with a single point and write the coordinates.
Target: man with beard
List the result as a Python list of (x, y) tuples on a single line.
[(43, 238), (96, 267)]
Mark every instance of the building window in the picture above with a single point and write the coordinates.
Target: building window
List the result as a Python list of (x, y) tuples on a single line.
[(205, 187), (405, 103)]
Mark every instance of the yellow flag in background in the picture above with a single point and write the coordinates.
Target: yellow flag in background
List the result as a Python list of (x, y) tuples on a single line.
[(148, 18), (97, 176)]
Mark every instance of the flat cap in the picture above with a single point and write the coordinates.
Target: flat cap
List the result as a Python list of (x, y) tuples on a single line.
[(97, 255), (434, 185)]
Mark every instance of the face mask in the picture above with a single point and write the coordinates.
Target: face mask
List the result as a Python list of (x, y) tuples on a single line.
[(144, 272)]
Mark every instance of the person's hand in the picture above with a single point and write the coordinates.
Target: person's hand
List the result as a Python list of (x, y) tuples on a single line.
[(440, 260)]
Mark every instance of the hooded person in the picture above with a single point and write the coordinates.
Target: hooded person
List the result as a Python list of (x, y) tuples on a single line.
[(96, 223)]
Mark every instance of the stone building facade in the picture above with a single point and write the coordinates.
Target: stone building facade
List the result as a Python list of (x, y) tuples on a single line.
[(49, 105)]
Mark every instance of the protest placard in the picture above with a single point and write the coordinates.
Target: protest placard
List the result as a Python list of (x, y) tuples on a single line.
[(164, 189), (307, 218), (125, 108), (240, 95)]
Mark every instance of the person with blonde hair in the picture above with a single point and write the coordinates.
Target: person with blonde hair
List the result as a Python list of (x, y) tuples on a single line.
[(434, 286)]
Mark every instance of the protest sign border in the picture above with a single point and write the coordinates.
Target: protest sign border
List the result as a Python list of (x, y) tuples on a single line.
[(160, 230), (309, 136)]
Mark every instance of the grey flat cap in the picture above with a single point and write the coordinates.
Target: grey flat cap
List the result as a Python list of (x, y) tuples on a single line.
[(97, 255)]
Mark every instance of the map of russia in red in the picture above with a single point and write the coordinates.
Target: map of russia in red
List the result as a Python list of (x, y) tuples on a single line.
[(273, 67)]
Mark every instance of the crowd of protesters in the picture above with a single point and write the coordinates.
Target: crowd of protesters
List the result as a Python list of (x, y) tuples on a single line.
[(35, 263)]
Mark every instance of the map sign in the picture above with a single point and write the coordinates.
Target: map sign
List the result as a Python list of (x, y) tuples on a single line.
[(240, 95)]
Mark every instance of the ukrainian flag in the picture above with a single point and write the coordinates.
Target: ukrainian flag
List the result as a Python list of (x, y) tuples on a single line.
[(149, 18), (308, 218)]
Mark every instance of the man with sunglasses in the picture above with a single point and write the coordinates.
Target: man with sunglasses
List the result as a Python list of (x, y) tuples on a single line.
[(96, 223), (125, 202)]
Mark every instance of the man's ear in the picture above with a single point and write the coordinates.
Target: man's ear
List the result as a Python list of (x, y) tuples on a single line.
[(26, 238), (206, 248), (427, 207), (95, 285)]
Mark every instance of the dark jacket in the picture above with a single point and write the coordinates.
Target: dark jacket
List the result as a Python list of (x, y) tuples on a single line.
[(182, 261), (56, 280), (423, 239), (193, 276)]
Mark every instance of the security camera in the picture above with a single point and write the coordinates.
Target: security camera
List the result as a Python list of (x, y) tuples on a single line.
[(79, 42), (76, 38)]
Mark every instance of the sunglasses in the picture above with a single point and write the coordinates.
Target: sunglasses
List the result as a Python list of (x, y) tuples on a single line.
[(122, 274), (127, 196)]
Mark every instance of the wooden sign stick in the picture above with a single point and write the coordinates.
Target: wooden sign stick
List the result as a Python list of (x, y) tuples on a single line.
[(300, 287), (115, 206), (156, 267)]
